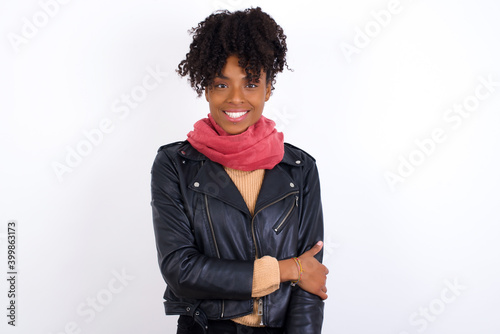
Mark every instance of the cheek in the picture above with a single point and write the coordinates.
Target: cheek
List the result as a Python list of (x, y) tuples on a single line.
[(212, 102), (216, 99)]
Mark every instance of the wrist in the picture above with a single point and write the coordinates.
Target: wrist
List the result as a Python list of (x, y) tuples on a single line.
[(288, 270)]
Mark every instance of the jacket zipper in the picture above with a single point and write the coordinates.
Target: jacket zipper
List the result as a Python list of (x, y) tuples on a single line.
[(260, 309), (215, 242), (268, 205), (295, 204), (211, 227)]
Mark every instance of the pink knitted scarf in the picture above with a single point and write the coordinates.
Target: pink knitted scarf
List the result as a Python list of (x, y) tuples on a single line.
[(259, 147)]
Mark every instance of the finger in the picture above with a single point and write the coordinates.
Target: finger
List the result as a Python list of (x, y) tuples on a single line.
[(316, 248), (323, 295)]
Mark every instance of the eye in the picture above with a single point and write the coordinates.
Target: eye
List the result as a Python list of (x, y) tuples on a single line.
[(252, 85), (221, 85)]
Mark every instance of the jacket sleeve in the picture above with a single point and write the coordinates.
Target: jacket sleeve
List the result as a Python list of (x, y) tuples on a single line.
[(188, 272), (305, 311)]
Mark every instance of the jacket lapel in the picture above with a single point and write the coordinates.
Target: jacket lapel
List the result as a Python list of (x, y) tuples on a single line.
[(276, 185), (213, 181)]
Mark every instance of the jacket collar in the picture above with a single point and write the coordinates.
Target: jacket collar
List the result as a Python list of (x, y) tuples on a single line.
[(189, 152), (212, 180)]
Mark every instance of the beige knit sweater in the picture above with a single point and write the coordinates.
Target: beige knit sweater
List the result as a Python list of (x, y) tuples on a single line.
[(266, 274)]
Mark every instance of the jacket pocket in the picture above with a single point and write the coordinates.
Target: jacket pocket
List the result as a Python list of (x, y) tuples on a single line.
[(280, 225)]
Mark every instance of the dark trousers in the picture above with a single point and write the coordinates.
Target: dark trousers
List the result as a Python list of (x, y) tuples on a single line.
[(187, 325)]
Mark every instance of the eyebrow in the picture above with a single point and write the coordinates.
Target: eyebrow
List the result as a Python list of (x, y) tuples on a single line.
[(223, 77)]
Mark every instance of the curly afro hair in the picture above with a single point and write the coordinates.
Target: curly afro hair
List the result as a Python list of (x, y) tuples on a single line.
[(251, 35)]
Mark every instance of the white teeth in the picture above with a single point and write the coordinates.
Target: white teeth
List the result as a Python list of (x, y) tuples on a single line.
[(235, 114)]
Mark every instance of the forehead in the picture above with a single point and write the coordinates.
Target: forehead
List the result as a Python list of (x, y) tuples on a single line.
[(233, 70)]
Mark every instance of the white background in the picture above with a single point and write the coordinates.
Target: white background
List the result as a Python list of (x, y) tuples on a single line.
[(390, 249)]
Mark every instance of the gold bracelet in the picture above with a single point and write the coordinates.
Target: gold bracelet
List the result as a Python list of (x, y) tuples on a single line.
[(299, 267)]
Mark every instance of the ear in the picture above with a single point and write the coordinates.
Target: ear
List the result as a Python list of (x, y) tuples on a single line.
[(268, 91)]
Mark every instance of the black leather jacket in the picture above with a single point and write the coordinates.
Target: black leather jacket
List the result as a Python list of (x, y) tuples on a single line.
[(207, 240)]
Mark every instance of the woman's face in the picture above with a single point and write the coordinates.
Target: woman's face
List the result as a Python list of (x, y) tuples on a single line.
[(236, 103)]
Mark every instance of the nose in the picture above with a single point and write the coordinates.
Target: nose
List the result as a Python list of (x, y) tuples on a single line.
[(236, 95)]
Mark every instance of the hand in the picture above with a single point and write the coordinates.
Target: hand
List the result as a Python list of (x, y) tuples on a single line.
[(314, 272)]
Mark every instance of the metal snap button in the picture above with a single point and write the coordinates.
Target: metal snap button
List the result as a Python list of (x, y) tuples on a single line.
[(292, 185), (196, 184), (298, 162)]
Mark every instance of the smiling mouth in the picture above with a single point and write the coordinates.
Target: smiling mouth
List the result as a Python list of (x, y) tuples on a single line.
[(235, 114)]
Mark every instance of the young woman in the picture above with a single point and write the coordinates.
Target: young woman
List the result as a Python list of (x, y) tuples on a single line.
[(237, 212)]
